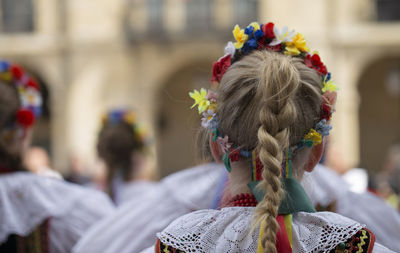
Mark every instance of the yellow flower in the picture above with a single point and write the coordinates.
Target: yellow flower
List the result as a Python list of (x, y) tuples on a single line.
[(212, 106), (255, 25), (313, 136), (329, 86), (6, 76), (200, 99), (130, 118), (240, 37), (297, 46)]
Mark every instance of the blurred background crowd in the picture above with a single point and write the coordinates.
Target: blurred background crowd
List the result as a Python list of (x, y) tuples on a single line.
[(93, 55)]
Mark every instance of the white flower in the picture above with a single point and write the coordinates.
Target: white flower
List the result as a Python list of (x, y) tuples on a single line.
[(30, 97), (230, 49), (208, 116), (283, 35)]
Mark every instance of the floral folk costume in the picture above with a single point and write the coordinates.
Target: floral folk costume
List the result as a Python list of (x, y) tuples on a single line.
[(301, 228)]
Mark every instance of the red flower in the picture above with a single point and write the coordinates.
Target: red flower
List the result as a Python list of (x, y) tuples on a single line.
[(234, 155), (16, 71), (314, 62), (326, 111), (220, 67), (276, 48), (32, 83), (25, 118), (268, 30)]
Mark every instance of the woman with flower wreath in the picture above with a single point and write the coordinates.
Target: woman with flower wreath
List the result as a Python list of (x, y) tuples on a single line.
[(146, 207), (37, 214), (266, 115), (121, 145)]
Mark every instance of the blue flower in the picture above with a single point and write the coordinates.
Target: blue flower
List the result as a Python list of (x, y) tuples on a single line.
[(252, 44), (4, 66), (116, 116), (328, 77), (249, 46), (249, 31), (258, 34), (323, 128)]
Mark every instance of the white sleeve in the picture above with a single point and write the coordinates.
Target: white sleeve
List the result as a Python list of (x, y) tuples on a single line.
[(149, 250), (65, 230), (135, 222), (380, 218), (381, 249)]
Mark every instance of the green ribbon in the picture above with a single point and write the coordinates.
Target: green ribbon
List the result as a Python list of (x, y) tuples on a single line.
[(227, 163), (295, 200)]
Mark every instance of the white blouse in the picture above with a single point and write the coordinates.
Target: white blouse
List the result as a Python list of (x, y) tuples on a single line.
[(27, 200), (134, 225)]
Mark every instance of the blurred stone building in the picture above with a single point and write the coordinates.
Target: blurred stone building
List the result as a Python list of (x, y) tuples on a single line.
[(148, 54)]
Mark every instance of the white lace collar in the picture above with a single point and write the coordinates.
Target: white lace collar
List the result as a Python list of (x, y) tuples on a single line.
[(227, 230)]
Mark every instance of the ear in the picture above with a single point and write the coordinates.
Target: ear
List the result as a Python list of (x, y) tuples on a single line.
[(215, 149), (315, 157)]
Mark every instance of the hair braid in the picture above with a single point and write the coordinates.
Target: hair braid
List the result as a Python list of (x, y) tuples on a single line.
[(279, 81), (268, 101)]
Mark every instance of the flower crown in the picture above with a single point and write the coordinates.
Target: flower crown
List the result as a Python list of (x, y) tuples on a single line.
[(129, 117), (28, 91), (265, 37)]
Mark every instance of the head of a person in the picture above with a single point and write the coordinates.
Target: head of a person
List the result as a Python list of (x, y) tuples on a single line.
[(20, 104), (272, 96), (119, 142)]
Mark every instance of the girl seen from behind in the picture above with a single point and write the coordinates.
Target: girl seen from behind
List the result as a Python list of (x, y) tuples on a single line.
[(37, 214), (266, 114)]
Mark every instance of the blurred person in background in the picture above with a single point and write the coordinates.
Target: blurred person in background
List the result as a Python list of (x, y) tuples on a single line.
[(149, 211), (37, 161), (37, 214), (388, 180), (77, 172), (122, 146)]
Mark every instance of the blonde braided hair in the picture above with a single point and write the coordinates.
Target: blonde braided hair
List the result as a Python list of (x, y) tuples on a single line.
[(268, 101)]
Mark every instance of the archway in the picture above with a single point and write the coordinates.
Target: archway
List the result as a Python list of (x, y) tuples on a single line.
[(176, 124), (379, 113)]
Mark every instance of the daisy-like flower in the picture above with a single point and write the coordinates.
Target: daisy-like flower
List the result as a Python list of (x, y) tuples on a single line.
[(240, 37), (30, 97), (230, 49), (297, 46), (283, 35), (200, 99), (207, 119)]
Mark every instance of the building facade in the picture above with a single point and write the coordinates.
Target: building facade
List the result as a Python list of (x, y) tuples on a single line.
[(95, 54)]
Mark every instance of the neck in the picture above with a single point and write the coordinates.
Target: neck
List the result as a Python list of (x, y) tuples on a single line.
[(239, 177)]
